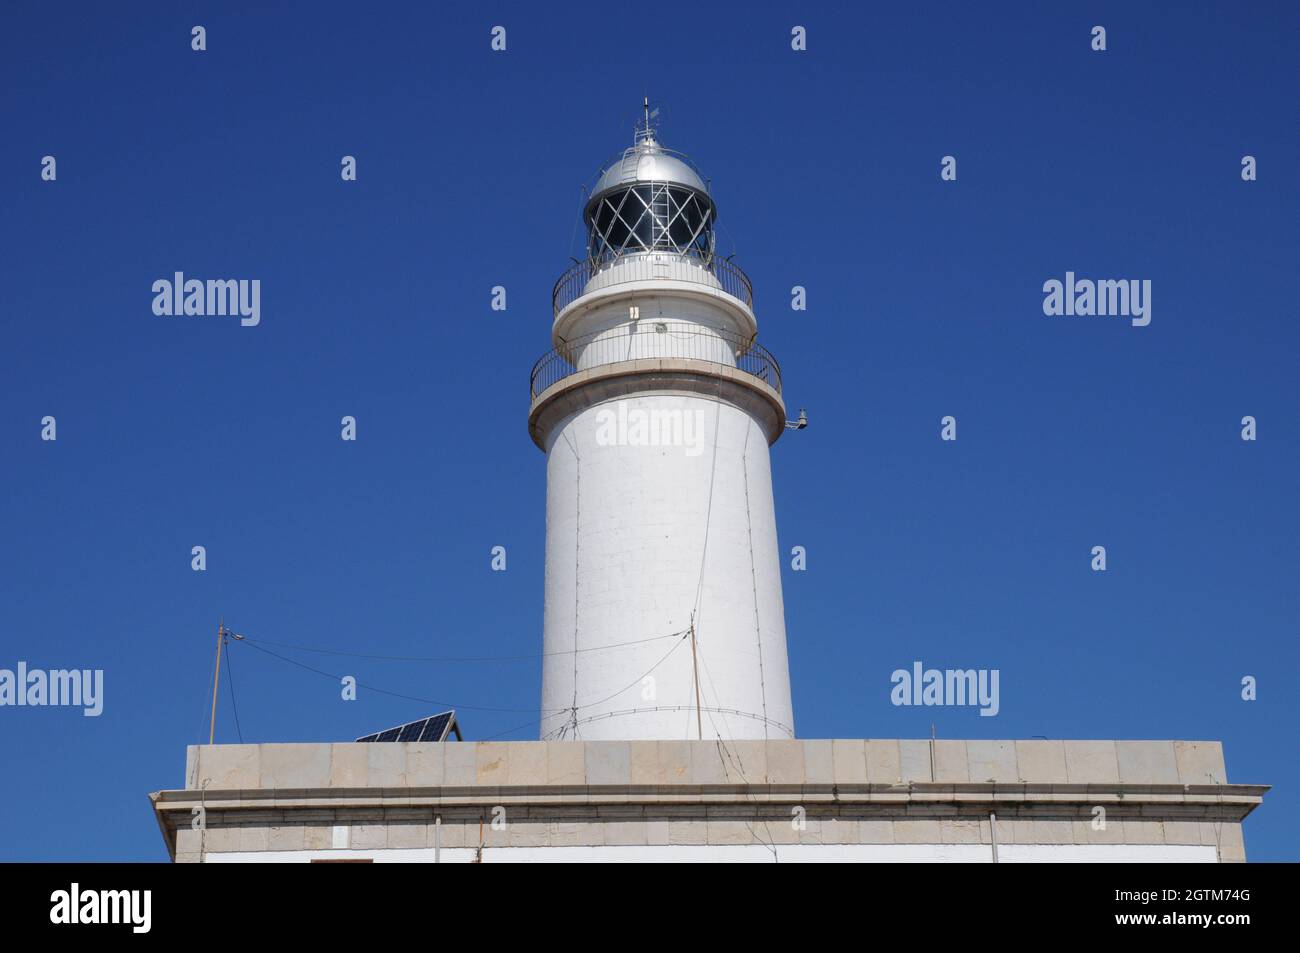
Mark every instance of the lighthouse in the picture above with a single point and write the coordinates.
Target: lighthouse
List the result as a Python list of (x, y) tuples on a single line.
[(656, 409)]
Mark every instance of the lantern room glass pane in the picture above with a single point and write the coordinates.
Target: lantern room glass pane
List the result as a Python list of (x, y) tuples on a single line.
[(650, 217)]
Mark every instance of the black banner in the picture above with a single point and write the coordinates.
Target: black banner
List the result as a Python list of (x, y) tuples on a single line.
[(204, 902)]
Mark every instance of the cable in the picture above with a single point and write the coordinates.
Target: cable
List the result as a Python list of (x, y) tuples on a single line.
[(527, 724), (230, 680), (382, 691), (725, 755), (454, 658), (770, 844), (636, 681), (574, 722), (708, 511), (753, 578), (708, 519), (445, 704), (686, 708), (577, 563), (704, 663)]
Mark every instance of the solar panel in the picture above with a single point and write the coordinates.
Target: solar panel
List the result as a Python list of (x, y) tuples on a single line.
[(438, 727), (412, 731)]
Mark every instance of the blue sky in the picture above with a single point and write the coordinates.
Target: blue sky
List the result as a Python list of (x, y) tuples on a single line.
[(925, 299)]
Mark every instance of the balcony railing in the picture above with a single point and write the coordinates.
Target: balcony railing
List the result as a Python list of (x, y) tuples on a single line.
[(721, 273), (652, 339)]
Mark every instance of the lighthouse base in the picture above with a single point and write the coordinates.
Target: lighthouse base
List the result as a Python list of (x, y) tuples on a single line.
[(841, 800)]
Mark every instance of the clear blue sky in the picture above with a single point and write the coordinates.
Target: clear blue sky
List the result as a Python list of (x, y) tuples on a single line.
[(924, 299)]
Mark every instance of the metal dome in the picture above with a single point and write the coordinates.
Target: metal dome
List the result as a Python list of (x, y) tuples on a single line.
[(649, 199), (647, 161)]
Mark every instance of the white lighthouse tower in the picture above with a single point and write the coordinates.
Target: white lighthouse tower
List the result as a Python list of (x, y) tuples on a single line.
[(656, 408)]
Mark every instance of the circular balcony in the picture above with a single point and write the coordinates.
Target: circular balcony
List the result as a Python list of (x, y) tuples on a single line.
[(654, 341), (718, 273)]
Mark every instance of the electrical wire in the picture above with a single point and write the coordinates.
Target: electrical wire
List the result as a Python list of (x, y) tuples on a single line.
[(708, 511), (230, 681), (577, 562), (753, 579), (708, 519), (527, 724), (383, 691), (452, 705), (686, 708), (635, 681), (455, 658), (770, 843)]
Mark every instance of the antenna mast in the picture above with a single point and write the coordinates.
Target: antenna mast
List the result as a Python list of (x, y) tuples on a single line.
[(644, 131), (216, 676)]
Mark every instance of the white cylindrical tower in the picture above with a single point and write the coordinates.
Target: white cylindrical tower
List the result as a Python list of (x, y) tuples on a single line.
[(664, 617)]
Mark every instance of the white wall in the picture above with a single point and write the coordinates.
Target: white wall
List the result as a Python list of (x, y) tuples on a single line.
[(627, 553), (625, 545), (756, 853)]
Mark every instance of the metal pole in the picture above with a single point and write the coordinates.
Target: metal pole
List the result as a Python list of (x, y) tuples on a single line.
[(216, 676), (993, 834)]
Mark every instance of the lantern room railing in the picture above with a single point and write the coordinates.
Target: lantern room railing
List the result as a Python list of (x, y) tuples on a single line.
[(655, 340), (647, 266)]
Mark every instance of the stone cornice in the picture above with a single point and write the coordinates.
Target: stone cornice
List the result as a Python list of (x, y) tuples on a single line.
[(742, 316), (1231, 801), (592, 386)]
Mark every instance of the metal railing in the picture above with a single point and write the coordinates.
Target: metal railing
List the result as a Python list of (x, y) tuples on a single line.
[(655, 340), (642, 267)]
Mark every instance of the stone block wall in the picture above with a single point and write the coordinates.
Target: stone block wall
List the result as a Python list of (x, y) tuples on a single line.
[(699, 800)]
